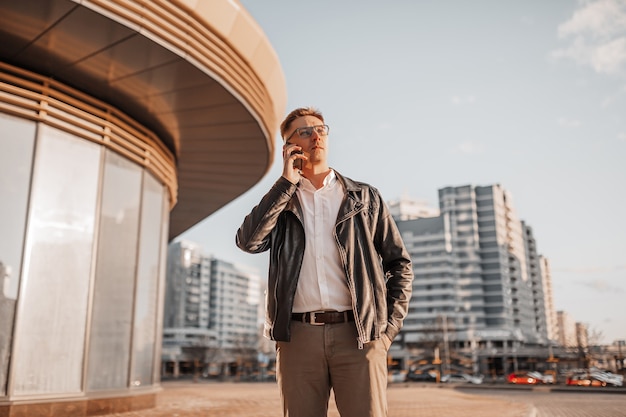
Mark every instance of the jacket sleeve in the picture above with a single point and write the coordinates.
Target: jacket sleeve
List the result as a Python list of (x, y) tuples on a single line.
[(398, 269), (253, 235)]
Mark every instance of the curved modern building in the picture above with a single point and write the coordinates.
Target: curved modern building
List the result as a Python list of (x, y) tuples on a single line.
[(122, 124)]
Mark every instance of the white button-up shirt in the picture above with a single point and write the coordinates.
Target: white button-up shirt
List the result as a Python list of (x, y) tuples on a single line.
[(322, 283)]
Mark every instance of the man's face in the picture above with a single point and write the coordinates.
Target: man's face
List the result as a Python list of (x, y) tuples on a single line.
[(314, 146)]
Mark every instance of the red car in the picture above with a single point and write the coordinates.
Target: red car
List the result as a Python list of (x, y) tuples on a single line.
[(522, 378), (584, 381)]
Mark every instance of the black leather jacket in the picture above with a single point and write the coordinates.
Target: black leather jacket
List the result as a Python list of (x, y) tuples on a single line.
[(376, 263)]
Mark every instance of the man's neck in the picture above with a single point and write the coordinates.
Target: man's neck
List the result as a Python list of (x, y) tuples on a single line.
[(317, 176)]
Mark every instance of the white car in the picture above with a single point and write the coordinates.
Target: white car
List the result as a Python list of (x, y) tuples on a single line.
[(608, 377), (472, 379), (396, 376), (544, 378)]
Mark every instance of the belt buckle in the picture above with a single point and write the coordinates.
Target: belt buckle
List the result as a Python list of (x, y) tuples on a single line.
[(312, 318)]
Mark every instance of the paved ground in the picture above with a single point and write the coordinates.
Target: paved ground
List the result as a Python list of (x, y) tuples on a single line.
[(567, 404), (186, 399)]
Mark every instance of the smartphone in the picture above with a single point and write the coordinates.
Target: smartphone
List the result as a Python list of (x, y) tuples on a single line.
[(298, 162)]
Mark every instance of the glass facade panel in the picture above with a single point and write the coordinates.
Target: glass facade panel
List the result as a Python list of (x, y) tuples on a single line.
[(16, 155), (165, 227), (145, 321), (110, 336), (52, 307)]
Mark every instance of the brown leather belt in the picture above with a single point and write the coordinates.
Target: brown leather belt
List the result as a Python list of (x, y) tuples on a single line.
[(323, 317)]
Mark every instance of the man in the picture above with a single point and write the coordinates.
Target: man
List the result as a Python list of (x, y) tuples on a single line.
[(339, 278)]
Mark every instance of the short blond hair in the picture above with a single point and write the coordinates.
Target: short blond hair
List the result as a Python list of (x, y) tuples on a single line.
[(299, 112)]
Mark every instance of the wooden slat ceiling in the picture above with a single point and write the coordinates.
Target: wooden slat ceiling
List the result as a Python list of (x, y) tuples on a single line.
[(205, 80)]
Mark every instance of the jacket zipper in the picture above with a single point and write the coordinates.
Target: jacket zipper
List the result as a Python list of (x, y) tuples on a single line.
[(357, 320)]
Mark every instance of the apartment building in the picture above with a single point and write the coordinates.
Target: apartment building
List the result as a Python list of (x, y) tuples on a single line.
[(582, 335), (477, 270), (210, 305), (551, 320), (539, 314), (188, 285), (406, 208), (234, 305), (567, 329)]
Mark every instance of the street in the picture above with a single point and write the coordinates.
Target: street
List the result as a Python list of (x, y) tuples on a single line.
[(562, 404), (232, 399)]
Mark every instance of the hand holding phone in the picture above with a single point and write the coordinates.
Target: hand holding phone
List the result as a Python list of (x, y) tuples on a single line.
[(297, 164)]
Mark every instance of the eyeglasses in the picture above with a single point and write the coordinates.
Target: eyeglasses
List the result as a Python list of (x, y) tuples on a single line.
[(306, 132)]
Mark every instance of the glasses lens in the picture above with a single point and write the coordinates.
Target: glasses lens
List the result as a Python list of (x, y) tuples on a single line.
[(321, 130), (305, 132)]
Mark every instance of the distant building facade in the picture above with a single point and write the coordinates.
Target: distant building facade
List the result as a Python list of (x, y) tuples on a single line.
[(539, 315), (476, 268), (211, 306), (234, 305), (567, 329), (548, 299), (406, 208), (582, 335), (187, 291)]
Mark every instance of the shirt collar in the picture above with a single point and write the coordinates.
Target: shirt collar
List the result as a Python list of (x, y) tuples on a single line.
[(329, 181)]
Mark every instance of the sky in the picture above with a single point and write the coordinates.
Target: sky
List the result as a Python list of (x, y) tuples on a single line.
[(426, 94)]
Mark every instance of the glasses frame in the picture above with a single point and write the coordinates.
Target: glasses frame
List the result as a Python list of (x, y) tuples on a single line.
[(326, 127)]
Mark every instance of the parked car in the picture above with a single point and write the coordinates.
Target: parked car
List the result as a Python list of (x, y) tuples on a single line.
[(608, 377), (472, 379), (545, 378), (584, 380), (422, 376), (529, 378), (523, 378), (396, 376)]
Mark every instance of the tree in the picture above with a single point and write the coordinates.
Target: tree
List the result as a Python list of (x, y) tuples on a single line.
[(200, 352)]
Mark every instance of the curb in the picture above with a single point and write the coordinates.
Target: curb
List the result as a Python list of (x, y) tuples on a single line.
[(545, 388)]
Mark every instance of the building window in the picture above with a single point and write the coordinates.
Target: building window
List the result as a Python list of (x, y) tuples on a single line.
[(115, 275), (152, 240), (61, 226), (16, 154)]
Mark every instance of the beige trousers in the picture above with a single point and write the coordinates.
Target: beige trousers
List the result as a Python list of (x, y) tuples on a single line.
[(321, 358)]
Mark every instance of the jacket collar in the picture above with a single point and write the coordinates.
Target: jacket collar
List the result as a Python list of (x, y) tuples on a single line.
[(349, 185), (351, 204)]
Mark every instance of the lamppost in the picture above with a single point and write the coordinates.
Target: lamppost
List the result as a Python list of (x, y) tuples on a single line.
[(444, 365), (620, 357), (473, 347), (553, 363), (437, 362)]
